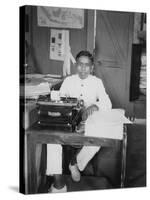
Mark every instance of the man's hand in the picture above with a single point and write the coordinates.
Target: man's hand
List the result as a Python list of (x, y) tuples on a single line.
[(89, 111)]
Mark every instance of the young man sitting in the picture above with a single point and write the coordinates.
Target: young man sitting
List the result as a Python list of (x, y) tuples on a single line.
[(91, 90)]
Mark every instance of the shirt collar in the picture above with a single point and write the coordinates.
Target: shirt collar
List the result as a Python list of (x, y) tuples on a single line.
[(84, 80)]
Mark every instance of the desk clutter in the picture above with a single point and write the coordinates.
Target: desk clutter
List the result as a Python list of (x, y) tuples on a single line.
[(35, 85), (67, 113)]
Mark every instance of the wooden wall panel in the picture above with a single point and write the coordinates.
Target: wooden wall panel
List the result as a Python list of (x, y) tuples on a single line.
[(112, 38), (114, 32)]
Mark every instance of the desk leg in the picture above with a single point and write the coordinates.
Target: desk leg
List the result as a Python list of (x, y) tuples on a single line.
[(31, 165), (124, 152)]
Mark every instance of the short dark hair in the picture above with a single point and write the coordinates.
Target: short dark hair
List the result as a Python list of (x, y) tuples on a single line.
[(85, 53)]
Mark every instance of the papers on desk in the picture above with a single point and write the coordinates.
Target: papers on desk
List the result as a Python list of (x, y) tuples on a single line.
[(106, 124), (34, 79), (38, 84), (33, 91)]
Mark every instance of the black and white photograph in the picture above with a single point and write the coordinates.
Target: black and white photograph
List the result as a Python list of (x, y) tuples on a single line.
[(82, 99)]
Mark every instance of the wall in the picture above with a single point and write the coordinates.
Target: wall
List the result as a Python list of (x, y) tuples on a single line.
[(40, 39)]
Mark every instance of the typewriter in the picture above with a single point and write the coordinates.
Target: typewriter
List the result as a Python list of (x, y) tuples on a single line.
[(65, 113)]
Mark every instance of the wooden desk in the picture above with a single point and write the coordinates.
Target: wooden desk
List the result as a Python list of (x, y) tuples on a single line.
[(36, 134)]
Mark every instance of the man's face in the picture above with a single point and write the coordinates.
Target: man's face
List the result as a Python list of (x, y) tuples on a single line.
[(84, 67)]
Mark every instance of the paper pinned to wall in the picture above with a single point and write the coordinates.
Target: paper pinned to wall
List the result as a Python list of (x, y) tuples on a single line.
[(60, 49), (57, 44), (60, 17)]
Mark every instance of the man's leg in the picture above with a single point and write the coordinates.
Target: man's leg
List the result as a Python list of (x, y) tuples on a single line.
[(85, 155), (54, 167), (54, 159), (87, 152), (75, 174), (81, 161), (58, 185)]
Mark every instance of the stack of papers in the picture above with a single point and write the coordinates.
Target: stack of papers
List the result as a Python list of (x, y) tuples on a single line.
[(38, 84), (106, 124), (33, 91)]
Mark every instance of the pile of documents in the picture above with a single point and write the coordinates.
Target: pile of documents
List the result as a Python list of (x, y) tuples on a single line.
[(38, 84), (106, 124), (33, 91)]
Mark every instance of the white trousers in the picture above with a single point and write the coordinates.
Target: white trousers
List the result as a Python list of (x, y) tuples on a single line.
[(54, 158)]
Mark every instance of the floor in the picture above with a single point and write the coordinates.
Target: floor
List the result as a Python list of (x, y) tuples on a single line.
[(135, 168)]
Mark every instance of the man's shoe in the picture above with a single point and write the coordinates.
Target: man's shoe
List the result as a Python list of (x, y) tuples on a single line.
[(52, 189), (75, 173)]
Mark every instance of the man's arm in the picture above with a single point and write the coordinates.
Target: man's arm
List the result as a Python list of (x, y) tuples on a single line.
[(64, 88), (89, 111), (103, 101)]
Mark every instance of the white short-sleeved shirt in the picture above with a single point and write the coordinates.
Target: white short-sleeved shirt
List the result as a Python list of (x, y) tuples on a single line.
[(91, 90)]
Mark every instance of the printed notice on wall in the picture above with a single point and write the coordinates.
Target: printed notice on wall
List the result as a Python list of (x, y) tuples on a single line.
[(58, 44)]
